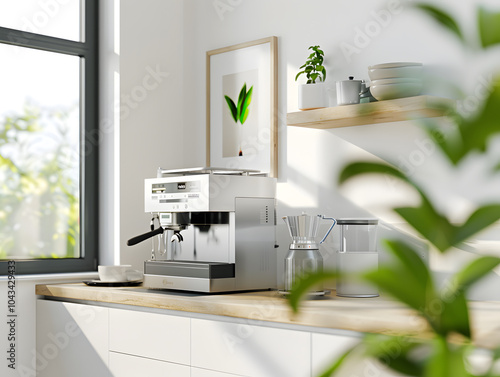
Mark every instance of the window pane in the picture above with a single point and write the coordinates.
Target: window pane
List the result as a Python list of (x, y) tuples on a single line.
[(56, 18), (39, 154)]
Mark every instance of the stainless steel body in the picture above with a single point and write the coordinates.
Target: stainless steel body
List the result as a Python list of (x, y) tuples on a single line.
[(228, 242), (300, 262), (303, 256)]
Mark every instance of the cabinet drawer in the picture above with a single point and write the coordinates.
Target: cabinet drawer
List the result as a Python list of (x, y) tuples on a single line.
[(250, 350), (157, 336), (122, 365)]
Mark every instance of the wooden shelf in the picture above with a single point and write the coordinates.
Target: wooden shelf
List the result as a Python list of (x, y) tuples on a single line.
[(370, 113)]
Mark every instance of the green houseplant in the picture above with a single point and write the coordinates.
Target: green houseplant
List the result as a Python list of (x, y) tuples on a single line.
[(313, 68), (312, 94), (445, 352)]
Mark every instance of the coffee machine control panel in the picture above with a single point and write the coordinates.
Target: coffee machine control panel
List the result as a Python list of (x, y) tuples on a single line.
[(168, 195)]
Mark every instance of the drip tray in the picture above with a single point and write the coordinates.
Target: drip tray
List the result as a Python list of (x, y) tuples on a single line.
[(207, 270)]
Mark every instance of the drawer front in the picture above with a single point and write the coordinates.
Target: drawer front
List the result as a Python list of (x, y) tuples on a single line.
[(122, 365), (152, 335), (248, 350)]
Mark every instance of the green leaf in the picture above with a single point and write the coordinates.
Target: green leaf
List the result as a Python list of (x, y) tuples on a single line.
[(337, 364), (473, 272), (471, 134), (451, 315), (304, 285), (425, 218), (482, 218), (314, 76), (446, 360), (298, 74), (232, 108), (357, 168), (246, 102), (395, 352), (489, 27), (409, 268), (241, 99), (441, 17), (429, 223)]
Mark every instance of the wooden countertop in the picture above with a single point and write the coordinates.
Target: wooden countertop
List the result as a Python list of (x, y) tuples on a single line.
[(376, 315)]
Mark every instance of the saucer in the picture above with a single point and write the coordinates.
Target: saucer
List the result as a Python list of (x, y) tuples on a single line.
[(98, 283)]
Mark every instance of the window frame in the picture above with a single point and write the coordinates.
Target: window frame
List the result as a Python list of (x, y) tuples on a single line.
[(88, 51)]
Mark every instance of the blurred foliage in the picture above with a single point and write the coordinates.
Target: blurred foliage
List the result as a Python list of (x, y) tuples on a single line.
[(444, 309), (39, 193)]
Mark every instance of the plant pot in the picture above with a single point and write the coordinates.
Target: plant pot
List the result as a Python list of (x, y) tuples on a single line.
[(312, 96)]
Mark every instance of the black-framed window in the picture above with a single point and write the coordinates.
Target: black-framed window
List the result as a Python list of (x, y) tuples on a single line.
[(48, 136)]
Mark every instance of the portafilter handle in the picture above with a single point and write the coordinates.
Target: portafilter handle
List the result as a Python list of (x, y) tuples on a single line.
[(135, 240), (331, 227)]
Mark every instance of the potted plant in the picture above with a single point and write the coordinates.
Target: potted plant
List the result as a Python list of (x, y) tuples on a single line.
[(312, 94)]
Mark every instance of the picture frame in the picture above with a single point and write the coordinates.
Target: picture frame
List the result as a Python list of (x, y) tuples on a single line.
[(242, 106)]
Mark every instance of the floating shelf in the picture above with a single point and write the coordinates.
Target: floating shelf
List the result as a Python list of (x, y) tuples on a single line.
[(370, 113)]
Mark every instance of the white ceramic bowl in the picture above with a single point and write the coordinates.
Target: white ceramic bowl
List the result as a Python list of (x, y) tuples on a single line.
[(410, 72), (400, 80), (395, 65), (393, 91), (112, 274)]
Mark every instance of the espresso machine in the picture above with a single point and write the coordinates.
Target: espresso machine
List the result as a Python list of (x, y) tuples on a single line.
[(216, 230)]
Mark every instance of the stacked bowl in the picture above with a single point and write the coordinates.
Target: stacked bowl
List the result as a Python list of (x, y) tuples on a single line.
[(395, 80)]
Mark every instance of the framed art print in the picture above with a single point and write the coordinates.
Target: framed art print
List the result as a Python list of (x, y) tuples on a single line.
[(242, 105)]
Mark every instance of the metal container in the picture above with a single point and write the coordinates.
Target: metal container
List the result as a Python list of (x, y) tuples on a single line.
[(303, 256)]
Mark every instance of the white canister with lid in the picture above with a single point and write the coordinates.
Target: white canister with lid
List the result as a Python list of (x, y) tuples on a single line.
[(357, 254), (348, 91)]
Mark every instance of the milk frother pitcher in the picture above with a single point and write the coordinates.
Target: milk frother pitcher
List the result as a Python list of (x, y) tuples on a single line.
[(303, 256)]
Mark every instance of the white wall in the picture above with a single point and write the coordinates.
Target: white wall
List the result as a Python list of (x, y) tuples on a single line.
[(309, 160)]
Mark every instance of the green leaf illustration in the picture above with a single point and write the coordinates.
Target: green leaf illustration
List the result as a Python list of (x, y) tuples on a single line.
[(244, 107), (241, 99), (232, 108), (240, 112)]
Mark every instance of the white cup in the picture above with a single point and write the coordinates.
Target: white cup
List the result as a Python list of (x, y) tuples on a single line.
[(121, 273)]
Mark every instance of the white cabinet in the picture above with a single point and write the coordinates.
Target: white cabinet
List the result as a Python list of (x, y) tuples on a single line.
[(249, 350), (80, 340), (71, 340), (197, 372), (122, 365), (156, 336)]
